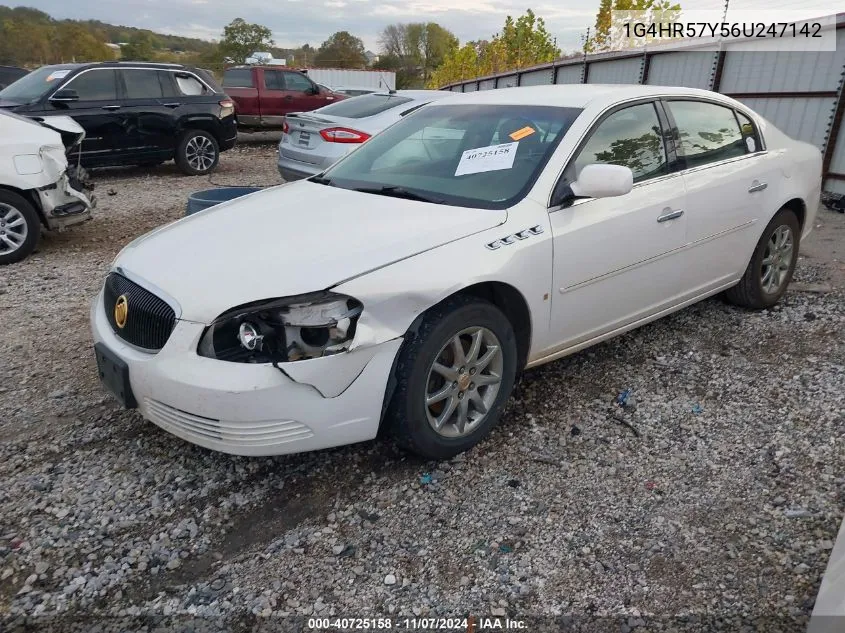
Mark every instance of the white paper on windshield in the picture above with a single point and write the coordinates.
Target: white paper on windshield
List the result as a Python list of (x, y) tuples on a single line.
[(490, 158), (58, 74)]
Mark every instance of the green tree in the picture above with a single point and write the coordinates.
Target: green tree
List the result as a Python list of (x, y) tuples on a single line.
[(75, 43), (522, 42), (241, 39), (415, 50), (660, 10), (140, 48), (341, 50)]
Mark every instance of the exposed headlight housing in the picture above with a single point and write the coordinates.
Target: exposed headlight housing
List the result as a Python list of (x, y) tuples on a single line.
[(283, 330)]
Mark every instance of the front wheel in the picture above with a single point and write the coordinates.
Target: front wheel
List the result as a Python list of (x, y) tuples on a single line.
[(453, 378), (772, 264), (19, 227), (197, 153)]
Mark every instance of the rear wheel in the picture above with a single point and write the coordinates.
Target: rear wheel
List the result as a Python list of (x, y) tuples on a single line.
[(453, 378), (772, 264), (197, 153), (19, 227)]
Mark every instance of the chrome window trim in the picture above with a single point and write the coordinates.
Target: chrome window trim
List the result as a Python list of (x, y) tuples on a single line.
[(118, 68)]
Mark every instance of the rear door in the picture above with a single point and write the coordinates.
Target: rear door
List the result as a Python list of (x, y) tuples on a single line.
[(100, 112), (240, 84), (727, 175), (152, 117)]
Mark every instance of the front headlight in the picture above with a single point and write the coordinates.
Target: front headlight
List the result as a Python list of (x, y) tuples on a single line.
[(283, 330)]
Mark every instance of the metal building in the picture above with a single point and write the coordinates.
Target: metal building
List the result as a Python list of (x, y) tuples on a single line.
[(800, 92)]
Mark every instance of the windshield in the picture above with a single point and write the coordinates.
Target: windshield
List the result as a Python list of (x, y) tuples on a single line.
[(367, 105), (485, 156), (35, 85)]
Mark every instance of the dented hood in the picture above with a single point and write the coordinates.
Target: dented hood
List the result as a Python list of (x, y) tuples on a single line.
[(289, 240)]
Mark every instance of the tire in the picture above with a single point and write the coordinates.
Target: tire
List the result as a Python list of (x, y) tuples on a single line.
[(20, 227), (197, 153), (411, 421), (772, 264)]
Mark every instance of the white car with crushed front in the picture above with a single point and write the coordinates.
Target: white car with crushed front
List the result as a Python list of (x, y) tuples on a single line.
[(37, 187), (407, 286)]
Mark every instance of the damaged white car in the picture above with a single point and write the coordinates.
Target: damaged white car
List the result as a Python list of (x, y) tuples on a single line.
[(408, 285), (37, 188)]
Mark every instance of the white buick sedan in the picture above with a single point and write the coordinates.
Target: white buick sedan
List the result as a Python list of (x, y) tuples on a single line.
[(408, 285)]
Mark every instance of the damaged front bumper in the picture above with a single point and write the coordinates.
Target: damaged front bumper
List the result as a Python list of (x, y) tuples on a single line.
[(253, 409), (62, 205)]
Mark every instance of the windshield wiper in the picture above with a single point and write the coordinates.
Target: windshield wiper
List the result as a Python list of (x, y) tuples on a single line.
[(398, 192), (321, 180)]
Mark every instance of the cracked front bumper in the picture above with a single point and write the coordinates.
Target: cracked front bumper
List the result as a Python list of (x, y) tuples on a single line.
[(253, 409), (63, 205)]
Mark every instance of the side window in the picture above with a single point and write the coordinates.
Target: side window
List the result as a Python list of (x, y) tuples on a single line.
[(749, 133), (142, 84), (708, 132), (274, 80), (238, 78), (95, 85), (631, 138), (189, 85), (168, 84), (297, 82)]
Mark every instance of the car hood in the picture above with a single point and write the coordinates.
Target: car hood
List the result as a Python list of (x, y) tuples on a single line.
[(293, 239)]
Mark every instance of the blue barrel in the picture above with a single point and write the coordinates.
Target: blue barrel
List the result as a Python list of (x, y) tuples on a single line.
[(204, 199)]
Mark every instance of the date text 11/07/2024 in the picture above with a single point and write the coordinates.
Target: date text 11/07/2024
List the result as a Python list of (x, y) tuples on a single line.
[(470, 624)]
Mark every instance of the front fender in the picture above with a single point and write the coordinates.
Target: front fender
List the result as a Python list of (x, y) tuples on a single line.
[(394, 296)]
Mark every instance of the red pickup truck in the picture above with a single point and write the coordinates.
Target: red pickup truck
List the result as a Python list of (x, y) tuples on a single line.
[(263, 95)]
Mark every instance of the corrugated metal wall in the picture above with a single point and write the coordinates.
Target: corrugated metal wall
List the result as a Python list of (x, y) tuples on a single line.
[(803, 119), (507, 81), (618, 71), (569, 74), (537, 78), (692, 69), (798, 91)]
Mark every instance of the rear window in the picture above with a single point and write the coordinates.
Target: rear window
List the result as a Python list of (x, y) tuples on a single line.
[(189, 85), (364, 106), (238, 78)]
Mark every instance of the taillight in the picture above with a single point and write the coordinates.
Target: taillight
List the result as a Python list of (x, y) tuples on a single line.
[(343, 135), (285, 127), (227, 103)]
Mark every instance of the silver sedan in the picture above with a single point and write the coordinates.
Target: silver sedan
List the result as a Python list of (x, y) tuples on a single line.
[(313, 141)]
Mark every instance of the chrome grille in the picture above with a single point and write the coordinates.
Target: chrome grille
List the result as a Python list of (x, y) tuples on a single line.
[(149, 321)]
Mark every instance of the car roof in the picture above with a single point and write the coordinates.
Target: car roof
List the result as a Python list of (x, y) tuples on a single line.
[(574, 95), (125, 64), (414, 94)]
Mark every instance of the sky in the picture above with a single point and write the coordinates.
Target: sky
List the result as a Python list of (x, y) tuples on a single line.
[(295, 22)]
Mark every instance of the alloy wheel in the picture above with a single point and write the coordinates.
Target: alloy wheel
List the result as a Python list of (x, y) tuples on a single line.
[(777, 259), (463, 382), (13, 229), (200, 153)]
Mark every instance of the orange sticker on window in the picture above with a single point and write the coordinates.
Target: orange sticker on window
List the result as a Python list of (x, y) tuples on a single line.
[(520, 134)]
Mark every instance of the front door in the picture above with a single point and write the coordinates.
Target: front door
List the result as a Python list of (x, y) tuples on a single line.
[(618, 260), (100, 113)]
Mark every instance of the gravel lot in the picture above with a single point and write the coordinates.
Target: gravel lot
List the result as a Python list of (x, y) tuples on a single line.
[(715, 493)]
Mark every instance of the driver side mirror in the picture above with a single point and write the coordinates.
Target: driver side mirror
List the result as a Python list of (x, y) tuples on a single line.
[(65, 96), (598, 180), (315, 90)]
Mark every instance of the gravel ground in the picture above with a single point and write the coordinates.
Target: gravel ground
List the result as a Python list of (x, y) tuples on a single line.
[(714, 494)]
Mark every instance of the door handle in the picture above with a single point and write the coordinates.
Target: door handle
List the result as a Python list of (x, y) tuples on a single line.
[(668, 214), (111, 107), (289, 98), (758, 187), (171, 105)]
